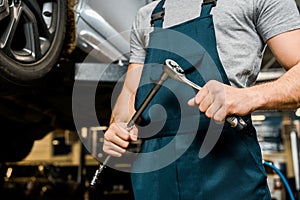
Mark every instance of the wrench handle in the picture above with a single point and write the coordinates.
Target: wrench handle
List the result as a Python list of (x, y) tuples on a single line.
[(132, 122)]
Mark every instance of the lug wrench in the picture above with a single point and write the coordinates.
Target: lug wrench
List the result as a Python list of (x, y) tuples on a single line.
[(175, 72)]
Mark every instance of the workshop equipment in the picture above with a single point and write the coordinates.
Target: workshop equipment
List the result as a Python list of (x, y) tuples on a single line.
[(295, 156), (285, 181)]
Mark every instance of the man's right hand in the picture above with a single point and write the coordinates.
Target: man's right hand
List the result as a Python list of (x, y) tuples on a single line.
[(117, 138)]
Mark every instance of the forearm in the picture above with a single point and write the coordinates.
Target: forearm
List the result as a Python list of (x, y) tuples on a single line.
[(117, 137), (124, 106), (284, 93)]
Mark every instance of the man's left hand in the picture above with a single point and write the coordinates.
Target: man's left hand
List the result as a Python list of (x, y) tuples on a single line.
[(218, 100)]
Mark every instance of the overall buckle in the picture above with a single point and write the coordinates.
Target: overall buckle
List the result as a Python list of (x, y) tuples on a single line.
[(213, 2), (157, 16)]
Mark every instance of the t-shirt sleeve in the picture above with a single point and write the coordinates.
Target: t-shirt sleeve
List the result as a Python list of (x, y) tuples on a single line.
[(137, 46), (275, 17)]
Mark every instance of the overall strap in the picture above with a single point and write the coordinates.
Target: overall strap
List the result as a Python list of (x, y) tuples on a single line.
[(207, 5), (158, 14)]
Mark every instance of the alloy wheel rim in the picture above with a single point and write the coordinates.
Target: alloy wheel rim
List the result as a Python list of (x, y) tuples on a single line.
[(28, 30)]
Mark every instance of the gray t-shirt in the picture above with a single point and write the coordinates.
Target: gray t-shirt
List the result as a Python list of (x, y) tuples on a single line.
[(242, 28)]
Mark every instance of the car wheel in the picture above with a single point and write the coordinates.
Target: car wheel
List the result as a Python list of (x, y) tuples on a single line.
[(31, 38)]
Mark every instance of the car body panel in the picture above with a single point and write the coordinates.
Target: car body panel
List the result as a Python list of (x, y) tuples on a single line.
[(103, 29)]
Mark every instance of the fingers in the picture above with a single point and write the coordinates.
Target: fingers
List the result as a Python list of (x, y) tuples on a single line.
[(192, 102), (117, 139), (113, 149), (211, 101), (204, 102), (199, 97), (133, 132), (220, 115)]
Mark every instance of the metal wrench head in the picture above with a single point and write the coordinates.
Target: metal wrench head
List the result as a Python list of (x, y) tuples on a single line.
[(175, 72)]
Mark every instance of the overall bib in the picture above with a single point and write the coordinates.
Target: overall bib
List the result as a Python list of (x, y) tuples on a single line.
[(174, 133)]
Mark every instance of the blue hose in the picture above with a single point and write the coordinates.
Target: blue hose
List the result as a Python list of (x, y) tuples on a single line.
[(287, 186)]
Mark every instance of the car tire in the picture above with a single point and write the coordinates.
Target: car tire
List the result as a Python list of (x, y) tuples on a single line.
[(31, 39)]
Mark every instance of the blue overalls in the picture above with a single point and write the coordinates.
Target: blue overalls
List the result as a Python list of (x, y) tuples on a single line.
[(174, 133)]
